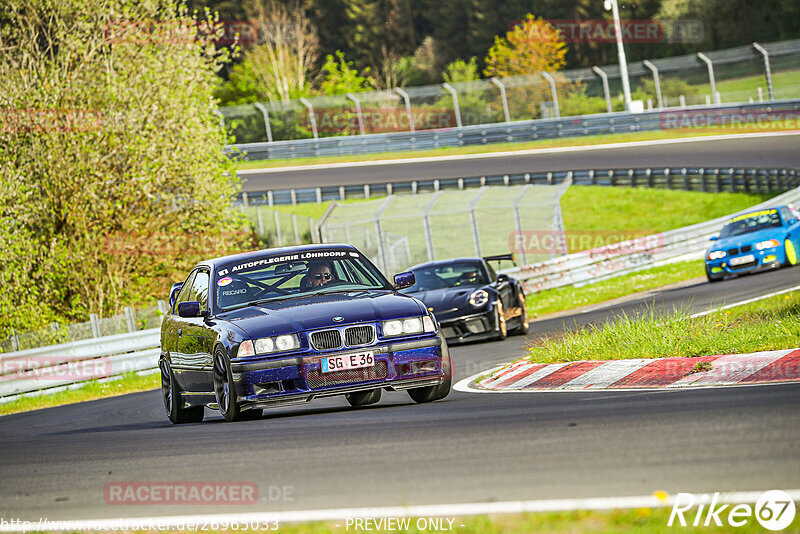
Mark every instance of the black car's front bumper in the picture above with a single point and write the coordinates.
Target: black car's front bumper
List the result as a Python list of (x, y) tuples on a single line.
[(295, 380), (472, 327)]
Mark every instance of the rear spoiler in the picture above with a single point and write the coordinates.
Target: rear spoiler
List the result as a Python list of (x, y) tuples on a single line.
[(501, 257)]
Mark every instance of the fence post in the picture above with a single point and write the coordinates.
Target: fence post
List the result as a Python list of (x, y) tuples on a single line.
[(245, 200), (710, 66), (476, 239), (163, 307), (296, 230), (382, 257), (267, 127), (129, 318), (450, 89), (552, 81), (503, 98), (319, 195), (352, 97), (219, 114), (260, 220), (657, 82), (311, 116), (14, 340), (767, 69), (518, 220), (604, 77), (410, 113), (278, 235), (95, 323), (270, 199), (426, 223)]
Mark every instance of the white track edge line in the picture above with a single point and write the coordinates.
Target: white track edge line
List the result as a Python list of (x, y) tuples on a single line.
[(743, 302), (507, 153), (434, 510)]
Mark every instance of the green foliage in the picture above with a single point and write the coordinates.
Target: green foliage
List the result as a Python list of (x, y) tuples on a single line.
[(461, 71), (109, 151), (341, 78), (530, 47)]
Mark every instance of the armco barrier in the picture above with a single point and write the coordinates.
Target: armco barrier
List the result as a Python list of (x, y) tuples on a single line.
[(607, 123), (629, 256), (56, 366)]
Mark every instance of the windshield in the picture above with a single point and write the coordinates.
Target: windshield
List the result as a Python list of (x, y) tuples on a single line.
[(284, 276), (457, 274), (751, 222)]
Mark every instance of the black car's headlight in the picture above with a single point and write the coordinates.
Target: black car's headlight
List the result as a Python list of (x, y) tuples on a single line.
[(267, 345), (479, 298), (407, 326)]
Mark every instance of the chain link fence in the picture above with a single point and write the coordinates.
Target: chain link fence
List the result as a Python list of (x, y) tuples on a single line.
[(397, 232), (738, 75)]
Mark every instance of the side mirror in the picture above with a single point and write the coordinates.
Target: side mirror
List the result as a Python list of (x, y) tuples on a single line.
[(173, 293), (404, 280), (792, 221), (502, 278), (713, 238), (189, 309)]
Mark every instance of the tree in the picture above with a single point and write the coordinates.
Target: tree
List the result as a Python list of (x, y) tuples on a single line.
[(341, 78), (530, 47), (282, 63), (113, 178)]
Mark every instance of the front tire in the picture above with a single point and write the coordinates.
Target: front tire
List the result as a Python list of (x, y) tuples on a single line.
[(225, 391), (173, 401), (790, 253), (500, 321), (434, 393), (364, 398)]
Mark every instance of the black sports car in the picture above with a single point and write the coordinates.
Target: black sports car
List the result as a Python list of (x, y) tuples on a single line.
[(470, 300)]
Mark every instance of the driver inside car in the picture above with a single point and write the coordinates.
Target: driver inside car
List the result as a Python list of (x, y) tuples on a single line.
[(319, 274)]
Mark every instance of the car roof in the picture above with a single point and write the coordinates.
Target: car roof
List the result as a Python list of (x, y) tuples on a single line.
[(253, 254), (444, 262), (748, 212)]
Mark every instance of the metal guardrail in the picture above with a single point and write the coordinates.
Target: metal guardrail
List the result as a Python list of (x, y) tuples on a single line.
[(51, 368), (629, 256), (739, 180), (528, 130)]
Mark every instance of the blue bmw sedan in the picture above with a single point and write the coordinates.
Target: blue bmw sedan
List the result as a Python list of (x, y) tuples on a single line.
[(286, 326), (755, 241)]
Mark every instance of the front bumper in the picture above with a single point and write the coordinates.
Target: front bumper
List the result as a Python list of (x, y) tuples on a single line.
[(763, 260), (295, 380), (472, 327)]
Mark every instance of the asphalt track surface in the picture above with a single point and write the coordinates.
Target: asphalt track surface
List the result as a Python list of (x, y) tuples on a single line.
[(469, 447), (768, 151)]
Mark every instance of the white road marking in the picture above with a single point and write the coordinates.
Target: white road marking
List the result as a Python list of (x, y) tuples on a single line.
[(431, 510), (507, 153), (606, 374), (748, 301)]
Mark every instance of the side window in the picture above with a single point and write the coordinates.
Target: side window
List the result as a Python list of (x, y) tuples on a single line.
[(787, 214), (183, 294), (492, 274), (199, 290)]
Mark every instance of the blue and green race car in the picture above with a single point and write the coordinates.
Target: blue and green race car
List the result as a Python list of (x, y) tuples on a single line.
[(755, 241)]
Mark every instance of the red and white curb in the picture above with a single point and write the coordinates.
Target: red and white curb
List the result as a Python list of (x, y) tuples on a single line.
[(726, 370)]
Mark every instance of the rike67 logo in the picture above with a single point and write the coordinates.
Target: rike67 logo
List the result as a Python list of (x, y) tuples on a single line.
[(774, 510)]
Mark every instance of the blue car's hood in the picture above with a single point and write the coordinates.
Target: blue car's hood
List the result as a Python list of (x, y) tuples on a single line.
[(317, 311), (750, 238), (448, 302)]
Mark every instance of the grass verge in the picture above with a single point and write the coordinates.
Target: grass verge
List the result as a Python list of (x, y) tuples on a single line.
[(769, 324), (502, 147), (568, 298), (129, 383)]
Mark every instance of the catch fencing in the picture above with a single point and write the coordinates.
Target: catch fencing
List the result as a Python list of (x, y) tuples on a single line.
[(434, 116)]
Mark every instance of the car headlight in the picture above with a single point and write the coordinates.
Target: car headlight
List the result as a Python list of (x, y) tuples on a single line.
[(266, 345), (410, 325), (716, 255), (769, 243), (479, 298), (245, 349)]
